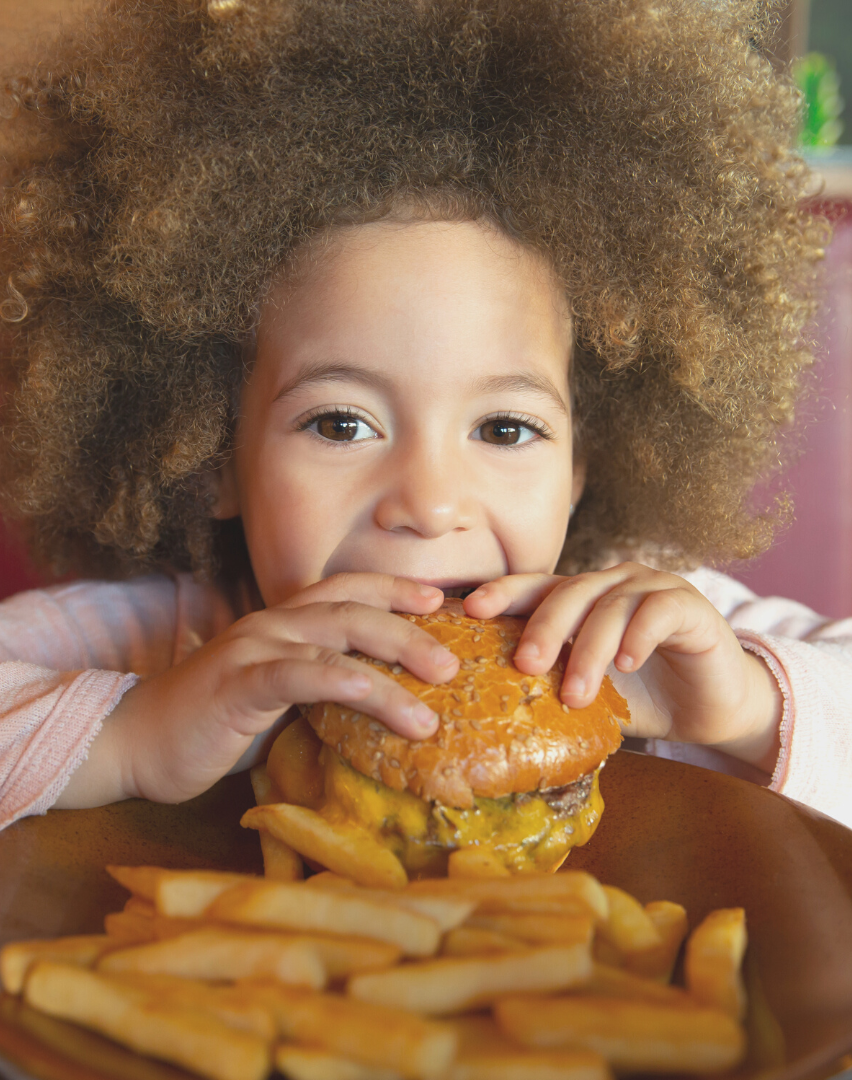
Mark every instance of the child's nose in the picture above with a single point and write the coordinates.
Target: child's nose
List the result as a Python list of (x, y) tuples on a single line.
[(427, 496)]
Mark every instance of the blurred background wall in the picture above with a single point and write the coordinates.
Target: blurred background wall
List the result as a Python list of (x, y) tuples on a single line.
[(812, 561)]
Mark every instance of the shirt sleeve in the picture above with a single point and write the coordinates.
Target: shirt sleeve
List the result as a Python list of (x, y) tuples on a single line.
[(68, 654), (811, 658)]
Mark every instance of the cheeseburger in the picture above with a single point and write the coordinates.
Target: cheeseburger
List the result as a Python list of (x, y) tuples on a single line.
[(510, 777)]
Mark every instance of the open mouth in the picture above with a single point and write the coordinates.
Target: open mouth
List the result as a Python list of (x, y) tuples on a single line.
[(460, 592)]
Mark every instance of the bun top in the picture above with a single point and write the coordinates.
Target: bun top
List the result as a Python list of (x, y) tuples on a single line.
[(500, 731)]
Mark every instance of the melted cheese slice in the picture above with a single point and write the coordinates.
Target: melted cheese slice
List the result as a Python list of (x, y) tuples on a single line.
[(524, 832)]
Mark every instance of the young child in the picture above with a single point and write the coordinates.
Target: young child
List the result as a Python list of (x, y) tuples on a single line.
[(320, 312)]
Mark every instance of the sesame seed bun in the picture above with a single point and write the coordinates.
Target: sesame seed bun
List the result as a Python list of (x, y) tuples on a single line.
[(501, 732)]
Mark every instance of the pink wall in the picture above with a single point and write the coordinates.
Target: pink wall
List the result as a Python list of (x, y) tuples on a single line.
[(812, 561)]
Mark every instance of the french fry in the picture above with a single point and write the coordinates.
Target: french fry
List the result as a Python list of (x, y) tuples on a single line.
[(293, 765), (222, 953), (634, 1036), (538, 929), (473, 941), (658, 961), (182, 893), (381, 1038), (265, 789), (485, 1053), (187, 894), (340, 956), (616, 982), (280, 861), (130, 1016), (714, 954), (605, 952), (139, 906), (230, 1004), (307, 1063), (295, 906), (447, 911), (132, 928), (453, 984), (570, 892), (344, 847), (628, 926), (476, 862), (129, 928), (17, 957)]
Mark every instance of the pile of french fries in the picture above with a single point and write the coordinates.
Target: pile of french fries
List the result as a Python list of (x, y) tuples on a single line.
[(535, 977)]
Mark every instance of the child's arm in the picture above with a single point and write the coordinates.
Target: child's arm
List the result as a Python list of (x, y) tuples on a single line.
[(173, 735)]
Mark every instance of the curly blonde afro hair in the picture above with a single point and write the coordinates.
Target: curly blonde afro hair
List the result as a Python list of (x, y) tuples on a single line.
[(168, 157)]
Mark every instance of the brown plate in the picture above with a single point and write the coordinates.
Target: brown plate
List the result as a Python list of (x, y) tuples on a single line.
[(670, 831)]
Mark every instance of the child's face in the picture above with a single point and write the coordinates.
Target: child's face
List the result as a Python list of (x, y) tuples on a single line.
[(408, 412)]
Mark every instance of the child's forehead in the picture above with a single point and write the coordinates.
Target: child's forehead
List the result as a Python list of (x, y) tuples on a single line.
[(437, 293), (420, 263)]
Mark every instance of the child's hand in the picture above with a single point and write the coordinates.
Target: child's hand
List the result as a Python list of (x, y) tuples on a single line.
[(685, 675), (173, 735)]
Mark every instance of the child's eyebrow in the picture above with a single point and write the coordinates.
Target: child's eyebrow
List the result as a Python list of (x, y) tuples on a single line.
[(522, 382), (517, 382), (333, 372)]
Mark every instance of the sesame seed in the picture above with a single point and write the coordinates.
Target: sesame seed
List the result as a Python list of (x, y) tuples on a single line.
[(457, 712), (374, 726), (356, 717), (455, 696), (565, 707), (482, 659), (475, 696), (502, 633), (475, 724), (397, 669), (411, 618), (394, 763), (504, 697), (477, 637), (446, 772), (501, 661), (525, 686)]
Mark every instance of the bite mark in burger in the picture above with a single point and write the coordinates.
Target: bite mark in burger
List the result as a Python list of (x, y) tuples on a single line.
[(510, 769)]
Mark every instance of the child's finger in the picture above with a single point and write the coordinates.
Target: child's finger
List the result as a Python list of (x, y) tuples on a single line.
[(561, 614), (666, 618), (514, 594), (383, 591), (315, 674), (346, 626), (596, 644)]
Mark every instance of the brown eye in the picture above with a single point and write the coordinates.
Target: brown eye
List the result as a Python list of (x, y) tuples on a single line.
[(338, 428), (504, 432), (342, 427)]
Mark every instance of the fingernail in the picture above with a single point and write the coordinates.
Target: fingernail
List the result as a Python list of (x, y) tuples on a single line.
[(429, 590), (423, 716), (441, 656), (480, 591), (356, 685), (575, 685), (624, 661), (528, 651)]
